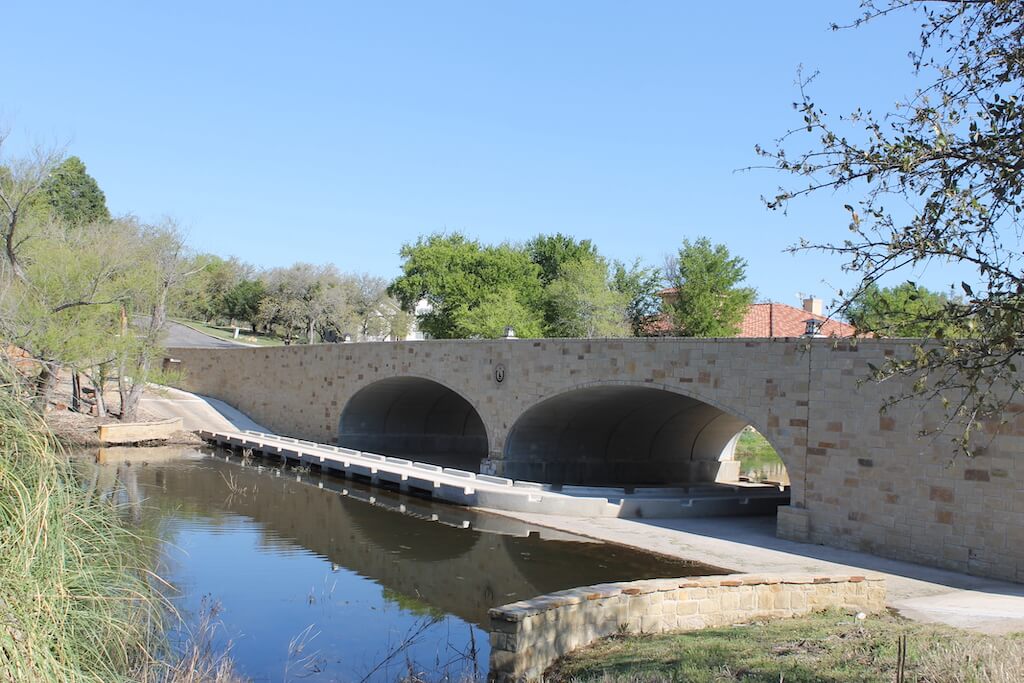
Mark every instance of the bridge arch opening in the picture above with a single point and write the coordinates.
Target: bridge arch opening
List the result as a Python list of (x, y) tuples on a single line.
[(624, 435), (415, 418)]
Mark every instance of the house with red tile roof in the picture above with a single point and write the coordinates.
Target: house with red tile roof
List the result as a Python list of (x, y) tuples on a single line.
[(770, 319)]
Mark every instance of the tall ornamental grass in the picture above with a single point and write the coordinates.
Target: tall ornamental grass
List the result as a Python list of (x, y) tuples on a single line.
[(75, 602)]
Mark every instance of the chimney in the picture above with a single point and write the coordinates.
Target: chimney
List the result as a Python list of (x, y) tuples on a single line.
[(813, 305)]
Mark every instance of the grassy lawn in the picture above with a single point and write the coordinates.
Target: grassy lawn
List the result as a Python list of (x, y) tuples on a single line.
[(755, 453), (828, 646), (226, 332)]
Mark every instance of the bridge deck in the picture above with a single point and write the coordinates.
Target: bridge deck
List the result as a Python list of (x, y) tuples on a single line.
[(461, 487)]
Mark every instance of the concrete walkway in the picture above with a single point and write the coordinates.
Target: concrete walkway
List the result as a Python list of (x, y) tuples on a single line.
[(742, 544), (749, 545)]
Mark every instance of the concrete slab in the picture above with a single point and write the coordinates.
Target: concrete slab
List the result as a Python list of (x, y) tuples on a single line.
[(197, 412), (749, 545)]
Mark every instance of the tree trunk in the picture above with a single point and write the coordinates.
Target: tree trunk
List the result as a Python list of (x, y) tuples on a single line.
[(76, 392), (311, 332), (122, 390), (99, 381), (130, 400), (130, 409), (46, 380)]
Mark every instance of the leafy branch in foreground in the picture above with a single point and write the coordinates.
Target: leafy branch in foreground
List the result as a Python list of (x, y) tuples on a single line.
[(940, 179)]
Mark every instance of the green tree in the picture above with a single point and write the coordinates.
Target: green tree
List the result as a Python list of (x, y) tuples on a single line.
[(583, 302), (20, 181), (495, 311), (950, 157), (306, 300), (163, 264), (72, 195), (457, 275), (906, 310), (202, 297), (64, 311), (640, 285), (242, 302), (376, 314), (552, 252), (708, 300)]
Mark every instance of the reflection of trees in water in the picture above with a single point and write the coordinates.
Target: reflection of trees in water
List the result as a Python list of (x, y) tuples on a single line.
[(423, 566), (410, 604), (117, 484)]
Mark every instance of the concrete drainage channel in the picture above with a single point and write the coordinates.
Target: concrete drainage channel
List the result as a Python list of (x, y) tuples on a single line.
[(460, 487)]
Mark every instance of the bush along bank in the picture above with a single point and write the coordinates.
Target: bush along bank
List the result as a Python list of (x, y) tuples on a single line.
[(74, 603), (77, 601)]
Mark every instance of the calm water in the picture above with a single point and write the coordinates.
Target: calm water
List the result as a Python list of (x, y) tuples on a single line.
[(313, 581)]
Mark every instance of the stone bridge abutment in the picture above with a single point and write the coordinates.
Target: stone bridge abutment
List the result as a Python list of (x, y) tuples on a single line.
[(639, 411)]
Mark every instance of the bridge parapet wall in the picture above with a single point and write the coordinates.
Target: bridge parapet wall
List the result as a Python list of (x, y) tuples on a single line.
[(860, 479)]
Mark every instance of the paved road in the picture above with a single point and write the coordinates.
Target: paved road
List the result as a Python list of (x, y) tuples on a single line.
[(182, 336)]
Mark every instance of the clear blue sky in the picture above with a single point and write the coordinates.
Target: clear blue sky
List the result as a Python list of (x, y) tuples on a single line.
[(334, 132)]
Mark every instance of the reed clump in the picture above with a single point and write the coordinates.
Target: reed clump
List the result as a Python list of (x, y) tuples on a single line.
[(75, 602)]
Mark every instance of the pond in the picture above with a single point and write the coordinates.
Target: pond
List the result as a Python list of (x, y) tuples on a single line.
[(319, 578)]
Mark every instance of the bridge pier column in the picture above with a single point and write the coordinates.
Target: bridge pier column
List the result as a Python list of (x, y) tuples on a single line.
[(793, 524)]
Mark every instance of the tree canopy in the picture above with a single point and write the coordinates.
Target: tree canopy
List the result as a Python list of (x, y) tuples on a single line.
[(640, 285), (940, 179), (457, 276), (583, 302), (708, 301), (551, 286), (73, 195), (906, 310), (552, 252)]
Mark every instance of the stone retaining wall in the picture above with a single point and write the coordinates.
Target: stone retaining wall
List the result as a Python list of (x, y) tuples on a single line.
[(528, 636)]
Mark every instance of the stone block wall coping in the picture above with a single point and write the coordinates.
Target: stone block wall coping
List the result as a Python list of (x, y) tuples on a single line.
[(523, 609)]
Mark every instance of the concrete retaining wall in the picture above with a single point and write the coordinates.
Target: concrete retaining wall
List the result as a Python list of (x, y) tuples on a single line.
[(528, 636)]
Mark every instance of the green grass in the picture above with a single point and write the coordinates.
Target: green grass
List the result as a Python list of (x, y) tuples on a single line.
[(75, 602), (755, 453), (227, 332), (829, 646), (78, 602)]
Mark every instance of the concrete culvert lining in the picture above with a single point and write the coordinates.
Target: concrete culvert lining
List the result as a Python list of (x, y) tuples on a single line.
[(616, 435), (416, 418)]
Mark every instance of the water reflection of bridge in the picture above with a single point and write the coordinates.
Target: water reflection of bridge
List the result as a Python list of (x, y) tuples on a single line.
[(455, 566)]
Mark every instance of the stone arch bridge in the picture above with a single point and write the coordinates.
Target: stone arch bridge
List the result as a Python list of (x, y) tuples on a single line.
[(656, 411)]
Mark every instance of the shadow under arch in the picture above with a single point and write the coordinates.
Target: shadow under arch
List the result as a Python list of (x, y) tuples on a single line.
[(615, 434), (417, 418)]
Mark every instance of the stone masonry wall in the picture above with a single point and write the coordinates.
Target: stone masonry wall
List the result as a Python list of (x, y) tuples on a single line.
[(860, 479), (528, 636)]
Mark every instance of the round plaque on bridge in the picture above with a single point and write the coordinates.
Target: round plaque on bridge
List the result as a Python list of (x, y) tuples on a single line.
[(499, 373)]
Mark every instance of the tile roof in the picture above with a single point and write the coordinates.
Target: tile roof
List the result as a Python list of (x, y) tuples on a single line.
[(768, 320), (782, 320)]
